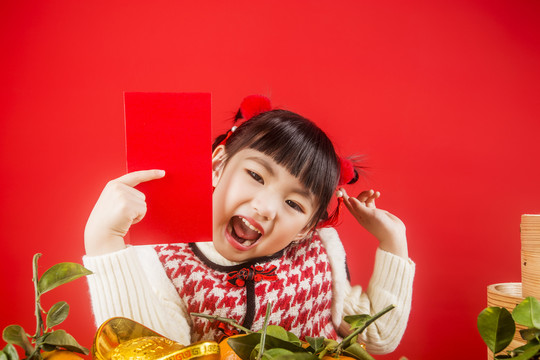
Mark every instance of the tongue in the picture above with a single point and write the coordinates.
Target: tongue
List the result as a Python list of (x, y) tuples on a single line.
[(243, 231)]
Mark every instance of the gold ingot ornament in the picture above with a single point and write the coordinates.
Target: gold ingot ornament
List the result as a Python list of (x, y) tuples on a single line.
[(125, 339)]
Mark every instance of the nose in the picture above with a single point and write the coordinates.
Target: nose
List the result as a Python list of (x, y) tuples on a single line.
[(266, 204)]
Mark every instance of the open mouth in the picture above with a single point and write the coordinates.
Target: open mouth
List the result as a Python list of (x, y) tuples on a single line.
[(243, 232)]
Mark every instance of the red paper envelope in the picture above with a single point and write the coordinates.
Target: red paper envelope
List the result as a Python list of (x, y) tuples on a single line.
[(171, 131)]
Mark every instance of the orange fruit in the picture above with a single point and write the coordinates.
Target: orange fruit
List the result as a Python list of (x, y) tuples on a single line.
[(226, 353), (60, 355), (341, 357)]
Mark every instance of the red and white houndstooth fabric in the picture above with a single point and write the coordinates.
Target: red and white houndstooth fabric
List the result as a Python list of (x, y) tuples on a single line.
[(301, 292)]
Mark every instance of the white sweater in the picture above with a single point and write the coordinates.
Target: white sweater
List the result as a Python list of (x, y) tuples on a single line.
[(132, 283)]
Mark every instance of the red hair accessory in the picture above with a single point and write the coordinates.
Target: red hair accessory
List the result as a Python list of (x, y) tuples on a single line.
[(251, 106), (346, 171), (347, 175), (333, 219), (254, 105)]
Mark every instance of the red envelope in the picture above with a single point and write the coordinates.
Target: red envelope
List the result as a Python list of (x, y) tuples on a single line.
[(171, 131)]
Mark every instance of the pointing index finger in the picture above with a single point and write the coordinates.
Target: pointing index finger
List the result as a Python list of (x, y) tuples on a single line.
[(135, 178)]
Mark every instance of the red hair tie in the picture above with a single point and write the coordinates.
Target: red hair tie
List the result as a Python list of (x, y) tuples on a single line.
[(347, 173), (250, 107), (254, 105)]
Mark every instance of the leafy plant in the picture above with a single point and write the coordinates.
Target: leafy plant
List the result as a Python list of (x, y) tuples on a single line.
[(497, 326), (273, 342), (45, 338)]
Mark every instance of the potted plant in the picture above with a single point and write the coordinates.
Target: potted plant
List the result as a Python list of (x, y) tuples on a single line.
[(46, 341)]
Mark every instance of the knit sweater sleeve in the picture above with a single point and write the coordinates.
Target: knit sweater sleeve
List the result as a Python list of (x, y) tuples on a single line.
[(390, 284), (132, 283)]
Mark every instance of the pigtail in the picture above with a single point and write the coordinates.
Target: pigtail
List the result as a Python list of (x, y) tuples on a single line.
[(250, 107), (352, 168), (254, 105), (349, 173), (219, 140)]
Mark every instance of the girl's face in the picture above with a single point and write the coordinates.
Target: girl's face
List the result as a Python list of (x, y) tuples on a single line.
[(258, 206)]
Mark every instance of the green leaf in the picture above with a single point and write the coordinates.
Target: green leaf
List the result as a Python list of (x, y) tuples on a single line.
[(244, 345), (527, 313), (356, 321), (358, 352), (529, 334), (331, 344), (297, 356), (57, 314), (62, 339), (496, 328), (277, 332), (272, 342), (46, 347), (60, 274), (527, 353), (272, 354), (11, 352), (292, 338), (3, 356), (255, 352), (316, 344), (14, 334)]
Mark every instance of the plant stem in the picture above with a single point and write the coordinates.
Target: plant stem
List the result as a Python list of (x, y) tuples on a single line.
[(323, 353), (39, 319), (263, 335), (225, 320), (34, 354), (348, 339)]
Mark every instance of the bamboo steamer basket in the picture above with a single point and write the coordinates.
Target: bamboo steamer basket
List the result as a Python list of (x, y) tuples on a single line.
[(530, 255)]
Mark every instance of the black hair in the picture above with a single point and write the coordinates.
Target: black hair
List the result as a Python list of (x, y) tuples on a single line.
[(295, 143)]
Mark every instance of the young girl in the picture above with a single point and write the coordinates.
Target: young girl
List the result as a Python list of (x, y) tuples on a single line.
[(273, 178)]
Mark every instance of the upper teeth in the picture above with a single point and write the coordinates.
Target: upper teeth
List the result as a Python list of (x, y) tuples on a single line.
[(250, 226)]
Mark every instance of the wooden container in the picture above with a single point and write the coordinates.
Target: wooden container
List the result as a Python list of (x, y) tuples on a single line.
[(530, 255), (506, 295)]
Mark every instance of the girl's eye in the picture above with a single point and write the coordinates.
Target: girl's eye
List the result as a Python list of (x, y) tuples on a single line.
[(294, 205), (255, 176)]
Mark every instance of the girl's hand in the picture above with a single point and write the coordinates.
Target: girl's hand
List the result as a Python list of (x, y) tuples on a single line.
[(119, 206), (387, 228)]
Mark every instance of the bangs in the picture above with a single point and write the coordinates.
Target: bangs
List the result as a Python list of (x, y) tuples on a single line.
[(306, 160)]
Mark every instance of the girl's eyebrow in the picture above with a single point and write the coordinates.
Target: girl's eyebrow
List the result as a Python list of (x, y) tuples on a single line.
[(269, 167)]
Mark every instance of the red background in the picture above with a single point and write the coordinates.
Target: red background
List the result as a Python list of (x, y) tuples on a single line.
[(442, 97)]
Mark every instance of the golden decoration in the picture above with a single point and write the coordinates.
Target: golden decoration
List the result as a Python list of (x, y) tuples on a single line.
[(125, 339)]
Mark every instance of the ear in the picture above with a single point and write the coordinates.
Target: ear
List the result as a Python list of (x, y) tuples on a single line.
[(305, 233), (219, 156)]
